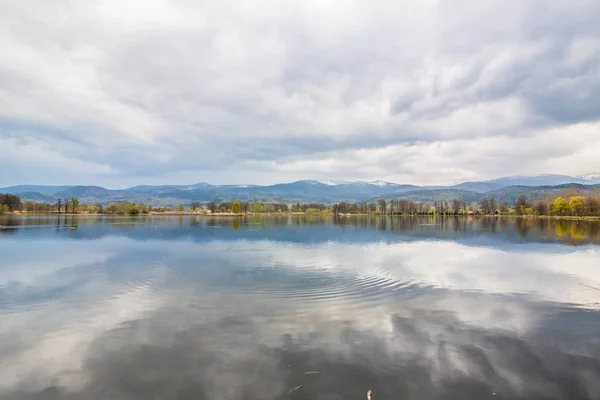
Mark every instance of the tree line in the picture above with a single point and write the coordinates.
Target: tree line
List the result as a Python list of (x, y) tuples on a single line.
[(567, 203), (574, 205), (9, 203)]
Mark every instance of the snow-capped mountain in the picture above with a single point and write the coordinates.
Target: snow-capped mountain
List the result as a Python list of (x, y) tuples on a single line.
[(594, 176), (326, 182), (382, 183)]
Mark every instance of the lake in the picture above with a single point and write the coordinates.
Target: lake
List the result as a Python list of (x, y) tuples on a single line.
[(298, 307)]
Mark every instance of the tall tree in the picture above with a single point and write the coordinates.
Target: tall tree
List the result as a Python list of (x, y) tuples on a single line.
[(382, 206), (521, 205), (503, 208), (67, 203), (74, 204), (493, 206), (456, 206), (485, 205), (592, 205), (236, 208), (58, 204), (463, 205)]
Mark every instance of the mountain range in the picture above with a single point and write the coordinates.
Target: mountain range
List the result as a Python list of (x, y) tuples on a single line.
[(322, 191)]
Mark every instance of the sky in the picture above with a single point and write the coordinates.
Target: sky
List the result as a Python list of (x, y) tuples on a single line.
[(117, 93)]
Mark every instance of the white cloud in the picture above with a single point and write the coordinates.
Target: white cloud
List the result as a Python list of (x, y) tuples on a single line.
[(182, 90)]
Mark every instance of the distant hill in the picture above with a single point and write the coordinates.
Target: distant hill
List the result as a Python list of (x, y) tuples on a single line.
[(33, 188), (95, 192), (507, 194), (36, 196), (429, 196), (323, 191), (526, 180)]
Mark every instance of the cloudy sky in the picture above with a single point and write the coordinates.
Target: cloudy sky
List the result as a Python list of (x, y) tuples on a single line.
[(426, 92)]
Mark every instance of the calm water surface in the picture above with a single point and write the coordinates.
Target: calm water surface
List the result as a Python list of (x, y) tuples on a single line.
[(227, 308)]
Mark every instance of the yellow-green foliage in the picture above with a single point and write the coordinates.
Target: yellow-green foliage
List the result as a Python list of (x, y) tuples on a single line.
[(560, 206), (577, 204)]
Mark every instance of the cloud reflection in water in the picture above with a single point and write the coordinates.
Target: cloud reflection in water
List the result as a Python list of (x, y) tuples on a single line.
[(126, 317)]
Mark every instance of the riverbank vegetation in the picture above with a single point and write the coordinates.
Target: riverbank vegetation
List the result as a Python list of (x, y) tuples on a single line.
[(567, 204)]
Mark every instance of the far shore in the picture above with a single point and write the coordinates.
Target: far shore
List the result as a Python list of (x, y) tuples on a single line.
[(229, 214)]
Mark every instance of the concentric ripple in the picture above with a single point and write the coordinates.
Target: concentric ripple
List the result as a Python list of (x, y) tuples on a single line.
[(334, 286)]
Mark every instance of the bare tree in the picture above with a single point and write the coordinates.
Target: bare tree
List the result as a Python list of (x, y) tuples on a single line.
[(382, 206), (493, 206)]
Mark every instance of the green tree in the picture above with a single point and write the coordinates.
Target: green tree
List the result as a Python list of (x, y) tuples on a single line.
[(181, 207), (75, 204), (577, 205), (59, 204), (236, 208), (560, 206)]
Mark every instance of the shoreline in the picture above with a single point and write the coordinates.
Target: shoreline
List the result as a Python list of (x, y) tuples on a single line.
[(177, 213)]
